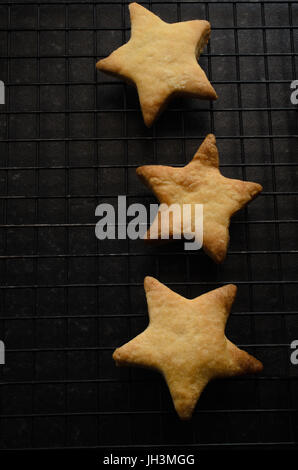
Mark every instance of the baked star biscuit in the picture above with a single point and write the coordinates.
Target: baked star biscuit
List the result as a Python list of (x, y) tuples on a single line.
[(186, 342), (161, 60), (199, 182)]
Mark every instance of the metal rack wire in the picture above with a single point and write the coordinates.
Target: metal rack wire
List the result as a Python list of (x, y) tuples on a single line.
[(71, 138)]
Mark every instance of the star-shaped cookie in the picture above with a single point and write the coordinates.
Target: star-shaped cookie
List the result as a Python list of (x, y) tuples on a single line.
[(161, 60), (199, 182), (186, 342)]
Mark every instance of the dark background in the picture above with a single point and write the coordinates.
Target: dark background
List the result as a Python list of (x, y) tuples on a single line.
[(71, 138)]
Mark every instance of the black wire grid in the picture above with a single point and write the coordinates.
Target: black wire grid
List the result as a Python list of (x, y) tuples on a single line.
[(71, 138)]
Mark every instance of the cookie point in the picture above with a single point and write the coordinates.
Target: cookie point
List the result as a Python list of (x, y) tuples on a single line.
[(148, 120), (259, 187), (139, 170), (258, 366), (253, 188), (133, 5), (184, 416), (251, 365), (230, 291), (150, 283), (98, 64), (116, 356), (214, 95), (184, 411), (103, 64), (211, 138), (219, 256), (232, 288)]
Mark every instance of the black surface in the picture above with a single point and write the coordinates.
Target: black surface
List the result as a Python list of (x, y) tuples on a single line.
[(71, 138)]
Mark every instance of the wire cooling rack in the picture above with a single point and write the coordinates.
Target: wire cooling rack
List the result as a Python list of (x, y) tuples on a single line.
[(71, 138)]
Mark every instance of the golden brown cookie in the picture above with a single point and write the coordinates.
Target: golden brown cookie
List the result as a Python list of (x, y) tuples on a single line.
[(161, 60), (200, 182), (185, 341)]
